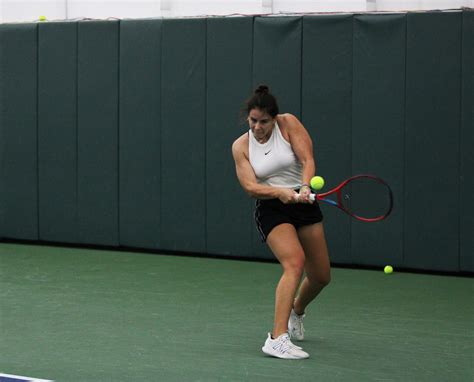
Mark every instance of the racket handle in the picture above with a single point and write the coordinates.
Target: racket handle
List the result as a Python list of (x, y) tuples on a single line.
[(312, 197)]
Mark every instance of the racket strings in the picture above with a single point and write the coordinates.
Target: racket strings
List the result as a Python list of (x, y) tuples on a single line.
[(366, 198)]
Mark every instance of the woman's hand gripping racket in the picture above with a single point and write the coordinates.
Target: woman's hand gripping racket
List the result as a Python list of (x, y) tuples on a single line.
[(364, 197)]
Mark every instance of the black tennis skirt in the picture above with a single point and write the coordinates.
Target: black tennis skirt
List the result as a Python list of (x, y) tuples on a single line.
[(272, 212)]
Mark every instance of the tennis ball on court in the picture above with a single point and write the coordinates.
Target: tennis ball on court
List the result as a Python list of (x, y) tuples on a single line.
[(317, 182), (42, 18), (388, 269)]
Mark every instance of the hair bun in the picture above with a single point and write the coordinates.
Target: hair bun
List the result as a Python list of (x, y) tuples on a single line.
[(263, 100), (262, 89)]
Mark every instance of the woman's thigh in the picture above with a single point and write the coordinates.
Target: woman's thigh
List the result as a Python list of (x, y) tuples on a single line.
[(285, 244)]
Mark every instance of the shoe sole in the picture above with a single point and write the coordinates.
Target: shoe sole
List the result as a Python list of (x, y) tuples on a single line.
[(276, 356)]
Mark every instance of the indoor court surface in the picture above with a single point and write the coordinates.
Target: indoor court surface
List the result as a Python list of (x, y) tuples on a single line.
[(97, 315)]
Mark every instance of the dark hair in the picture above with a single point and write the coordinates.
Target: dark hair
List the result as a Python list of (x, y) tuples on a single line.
[(262, 99)]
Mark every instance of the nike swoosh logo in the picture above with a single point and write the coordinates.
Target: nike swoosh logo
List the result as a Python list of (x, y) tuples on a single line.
[(268, 152)]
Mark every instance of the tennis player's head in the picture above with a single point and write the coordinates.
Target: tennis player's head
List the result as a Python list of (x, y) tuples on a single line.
[(262, 110)]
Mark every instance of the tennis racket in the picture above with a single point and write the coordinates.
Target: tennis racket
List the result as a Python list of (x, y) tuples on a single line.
[(364, 197)]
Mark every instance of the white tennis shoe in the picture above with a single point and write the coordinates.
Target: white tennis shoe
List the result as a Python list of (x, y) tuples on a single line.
[(282, 347), (295, 326)]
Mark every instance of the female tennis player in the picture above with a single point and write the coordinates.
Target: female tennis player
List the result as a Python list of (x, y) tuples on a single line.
[(274, 164)]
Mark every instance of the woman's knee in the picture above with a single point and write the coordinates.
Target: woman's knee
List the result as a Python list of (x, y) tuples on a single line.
[(321, 279), (294, 266)]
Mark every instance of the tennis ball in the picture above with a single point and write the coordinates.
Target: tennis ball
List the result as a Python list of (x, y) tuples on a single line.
[(42, 18), (388, 269), (317, 182)]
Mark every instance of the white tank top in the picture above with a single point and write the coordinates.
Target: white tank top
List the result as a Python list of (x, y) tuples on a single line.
[(274, 162)]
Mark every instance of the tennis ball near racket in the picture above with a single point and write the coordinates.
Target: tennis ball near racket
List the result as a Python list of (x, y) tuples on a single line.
[(317, 182), (388, 269)]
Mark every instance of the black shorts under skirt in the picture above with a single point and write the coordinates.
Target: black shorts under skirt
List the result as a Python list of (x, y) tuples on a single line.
[(272, 212)]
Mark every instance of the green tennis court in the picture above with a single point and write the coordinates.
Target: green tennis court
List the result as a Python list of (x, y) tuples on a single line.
[(96, 315)]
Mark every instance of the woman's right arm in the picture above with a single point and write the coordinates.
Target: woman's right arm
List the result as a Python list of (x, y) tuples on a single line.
[(248, 180)]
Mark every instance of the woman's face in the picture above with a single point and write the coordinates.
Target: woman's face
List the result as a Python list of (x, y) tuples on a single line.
[(261, 124)]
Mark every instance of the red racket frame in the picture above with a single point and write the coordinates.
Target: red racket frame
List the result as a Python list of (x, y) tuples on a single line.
[(339, 203)]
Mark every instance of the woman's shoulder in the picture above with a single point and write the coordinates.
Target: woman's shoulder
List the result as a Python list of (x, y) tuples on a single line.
[(244, 138), (287, 123), (287, 120), (241, 143)]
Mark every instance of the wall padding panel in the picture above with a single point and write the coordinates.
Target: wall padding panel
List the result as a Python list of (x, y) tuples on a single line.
[(18, 131), (57, 132), (327, 111), (467, 145), (377, 128), (183, 145), (98, 52), (229, 41), (432, 141), (140, 133)]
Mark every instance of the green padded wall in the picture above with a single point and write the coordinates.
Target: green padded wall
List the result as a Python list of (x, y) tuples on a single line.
[(119, 132), (18, 137), (378, 104), (229, 222), (432, 125), (140, 133), (326, 113), (57, 131), (183, 144), (466, 261), (97, 132)]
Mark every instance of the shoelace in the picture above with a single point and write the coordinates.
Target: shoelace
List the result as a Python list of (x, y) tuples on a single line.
[(283, 344)]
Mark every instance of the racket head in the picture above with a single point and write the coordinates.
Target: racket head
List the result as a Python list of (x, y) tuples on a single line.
[(365, 197)]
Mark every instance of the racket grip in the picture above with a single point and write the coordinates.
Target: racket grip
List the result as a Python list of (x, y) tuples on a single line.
[(312, 197)]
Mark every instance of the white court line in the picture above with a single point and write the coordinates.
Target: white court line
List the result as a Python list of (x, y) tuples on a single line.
[(27, 379)]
